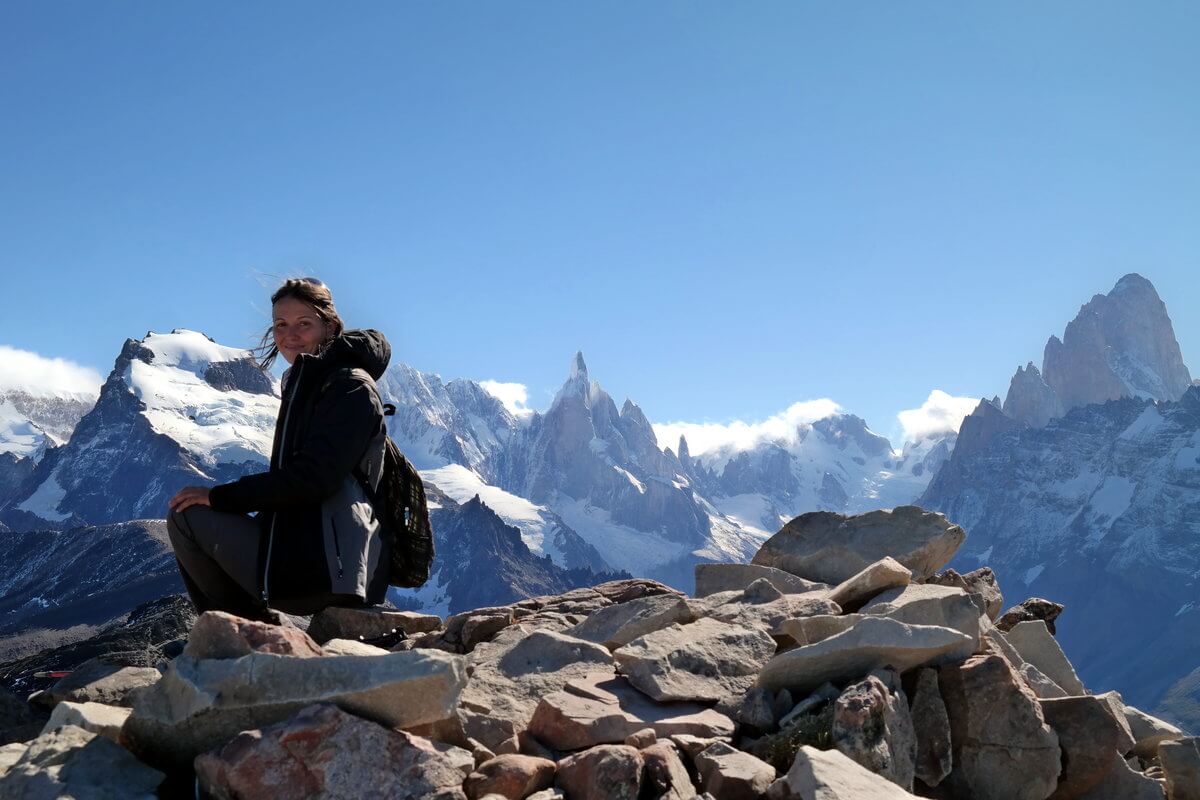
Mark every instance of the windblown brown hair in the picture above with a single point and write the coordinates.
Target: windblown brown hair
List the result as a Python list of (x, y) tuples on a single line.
[(312, 292)]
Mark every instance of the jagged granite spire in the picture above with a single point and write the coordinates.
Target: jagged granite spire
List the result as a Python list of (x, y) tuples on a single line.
[(1121, 344)]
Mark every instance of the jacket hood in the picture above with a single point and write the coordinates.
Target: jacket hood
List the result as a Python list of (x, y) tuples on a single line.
[(367, 348)]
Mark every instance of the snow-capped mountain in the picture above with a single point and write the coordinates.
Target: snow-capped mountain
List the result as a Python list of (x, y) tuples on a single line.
[(1121, 344), (1092, 500), (33, 423), (176, 409), (1097, 510)]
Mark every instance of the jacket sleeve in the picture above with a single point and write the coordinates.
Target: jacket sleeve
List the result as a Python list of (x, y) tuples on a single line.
[(347, 416)]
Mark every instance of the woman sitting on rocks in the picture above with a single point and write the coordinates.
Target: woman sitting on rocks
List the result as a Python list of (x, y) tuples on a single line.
[(315, 541)]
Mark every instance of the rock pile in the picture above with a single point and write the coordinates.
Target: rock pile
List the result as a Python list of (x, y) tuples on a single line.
[(841, 665)]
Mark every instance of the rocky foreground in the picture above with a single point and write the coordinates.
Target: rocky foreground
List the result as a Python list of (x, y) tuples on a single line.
[(841, 664)]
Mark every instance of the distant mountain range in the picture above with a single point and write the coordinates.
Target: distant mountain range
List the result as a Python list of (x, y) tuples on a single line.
[(1081, 486)]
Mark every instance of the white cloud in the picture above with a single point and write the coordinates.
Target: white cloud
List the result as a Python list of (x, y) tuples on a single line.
[(40, 376), (940, 413), (703, 437), (513, 395)]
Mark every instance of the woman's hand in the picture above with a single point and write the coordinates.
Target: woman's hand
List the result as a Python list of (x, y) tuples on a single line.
[(189, 496)]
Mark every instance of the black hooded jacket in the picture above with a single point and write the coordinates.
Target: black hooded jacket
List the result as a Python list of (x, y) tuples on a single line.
[(330, 422)]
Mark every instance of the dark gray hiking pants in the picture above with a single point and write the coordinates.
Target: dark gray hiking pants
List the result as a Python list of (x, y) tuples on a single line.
[(217, 553)]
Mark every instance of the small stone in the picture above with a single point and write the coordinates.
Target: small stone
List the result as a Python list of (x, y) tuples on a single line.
[(981, 581), (641, 739), (510, 776), (1032, 609), (713, 578), (605, 772), (100, 681), (336, 622), (1148, 731), (1042, 686), (96, 718), (757, 709), (665, 777), (351, 647), (729, 773)]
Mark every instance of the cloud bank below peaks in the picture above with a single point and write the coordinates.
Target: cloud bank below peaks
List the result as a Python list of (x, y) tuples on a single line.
[(24, 371), (940, 413), (705, 437), (513, 396)]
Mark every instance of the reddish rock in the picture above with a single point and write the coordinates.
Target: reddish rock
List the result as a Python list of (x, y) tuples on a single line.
[(932, 727), (1092, 743), (605, 772), (874, 728), (217, 634), (665, 777), (731, 774), (1002, 747), (513, 776), (325, 752)]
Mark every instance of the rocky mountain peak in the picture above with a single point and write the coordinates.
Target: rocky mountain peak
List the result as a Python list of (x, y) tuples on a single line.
[(578, 367), (1121, 344)]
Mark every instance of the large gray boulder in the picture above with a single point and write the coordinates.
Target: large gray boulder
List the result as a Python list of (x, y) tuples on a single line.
[(199, 705), (510, 676), (872, 643), (1002, 747), (70, 762), (727, 772), (707, 660), (829, 547)]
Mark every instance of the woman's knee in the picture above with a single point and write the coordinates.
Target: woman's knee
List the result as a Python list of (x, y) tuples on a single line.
[(179, 526)]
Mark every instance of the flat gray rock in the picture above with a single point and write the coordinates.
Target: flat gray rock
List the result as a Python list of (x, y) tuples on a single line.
[(510, 675), (713, 578), (829, 547), (707, 660), (617, 625), (872, 643), (199, 705), (605, 709), (830, 775), (925, 604), (1037, 646)]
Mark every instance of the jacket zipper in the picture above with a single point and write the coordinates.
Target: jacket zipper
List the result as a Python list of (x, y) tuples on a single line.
[(287, 416), (337, 550)]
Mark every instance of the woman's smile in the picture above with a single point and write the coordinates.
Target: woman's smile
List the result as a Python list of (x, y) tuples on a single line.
[(297, 328)]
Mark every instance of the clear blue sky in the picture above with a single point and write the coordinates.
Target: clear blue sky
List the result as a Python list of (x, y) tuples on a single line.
[(729, 207)]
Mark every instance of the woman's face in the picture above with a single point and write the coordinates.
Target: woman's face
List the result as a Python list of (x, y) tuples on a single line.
[(297, 328)]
